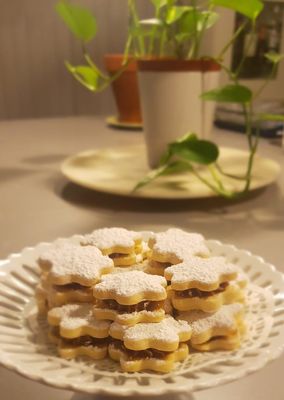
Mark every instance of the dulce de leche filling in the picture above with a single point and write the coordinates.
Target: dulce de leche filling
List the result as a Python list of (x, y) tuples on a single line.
[(141, 354), (70, 286), (85, 340), (142, 306), (189, 293), (117, 255)]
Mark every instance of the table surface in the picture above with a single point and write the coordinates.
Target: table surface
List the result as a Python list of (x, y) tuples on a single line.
[(38, 204)]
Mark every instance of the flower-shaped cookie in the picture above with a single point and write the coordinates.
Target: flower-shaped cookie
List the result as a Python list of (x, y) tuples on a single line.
[(224, 322), (165, 335), (175, 245), (152, 360), (210, 301), (69, 263), (75, 320), (201, 273), (131, 287), (113, 240)]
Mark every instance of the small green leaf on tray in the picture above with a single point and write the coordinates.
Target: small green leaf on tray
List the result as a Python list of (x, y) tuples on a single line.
[(79, 20), (169, 152), (229, 94), (273, 57), (197, 151), (249, 8)]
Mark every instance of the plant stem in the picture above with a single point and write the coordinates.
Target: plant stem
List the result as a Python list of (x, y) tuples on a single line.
[(267, 80), (136, 24), (89, 60), (247, 48), (153, 34), (216, 189), (216, 177), (231, 41), (127, 48), (114, 76), (237, 177), (202, 30), (162, 41), (247, 110), (195, 35)]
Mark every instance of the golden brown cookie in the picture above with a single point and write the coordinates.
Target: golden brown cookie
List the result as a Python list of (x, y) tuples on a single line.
[(175, 245), (150, 359), (130, 297), (165, 335), (75, 320), (68, 263)]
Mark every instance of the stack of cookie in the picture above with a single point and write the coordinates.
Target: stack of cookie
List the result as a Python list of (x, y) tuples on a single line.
[(155, 346), (145, 338), (124, 247), (201, 287), (68, 273), (76, 332), (141, 298)]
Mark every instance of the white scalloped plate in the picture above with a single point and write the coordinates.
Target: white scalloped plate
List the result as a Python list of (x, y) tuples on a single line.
[(24, 347)]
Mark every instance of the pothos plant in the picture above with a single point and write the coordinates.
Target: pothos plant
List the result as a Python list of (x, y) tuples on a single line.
[(189, 153), (177, 30)]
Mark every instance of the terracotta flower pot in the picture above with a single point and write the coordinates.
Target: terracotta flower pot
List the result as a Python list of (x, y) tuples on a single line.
[(125, 89), (170, 92)]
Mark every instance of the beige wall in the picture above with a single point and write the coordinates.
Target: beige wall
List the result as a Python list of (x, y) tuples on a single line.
[(33, 45)]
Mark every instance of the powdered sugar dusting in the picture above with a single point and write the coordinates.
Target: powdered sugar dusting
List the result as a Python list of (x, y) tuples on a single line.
[(73, 260), (204, 270), (176, 242), (74, 316), (130, 283), (107, 238), (167, 331), (201, 322)]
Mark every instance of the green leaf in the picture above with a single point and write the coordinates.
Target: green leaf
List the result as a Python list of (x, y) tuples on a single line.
[(273, 57), (85, 75), (188, 24), (159, 3), (229, 94), (169, 152), (187, 137), (167, 169), (194, 21), (206, 19), (249, 8), (271, 117), (175, 13), (198, 151), (79, 20)]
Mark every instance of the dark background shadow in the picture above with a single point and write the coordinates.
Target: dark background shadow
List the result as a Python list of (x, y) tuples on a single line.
[(88, 198)]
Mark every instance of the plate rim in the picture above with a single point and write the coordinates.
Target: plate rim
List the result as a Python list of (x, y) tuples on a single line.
[(64, 166), (267, 357)]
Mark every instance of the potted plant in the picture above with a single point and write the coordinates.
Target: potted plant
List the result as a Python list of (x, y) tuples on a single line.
[(174, 74), (189, 153), (121, 69), (178, 84)]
